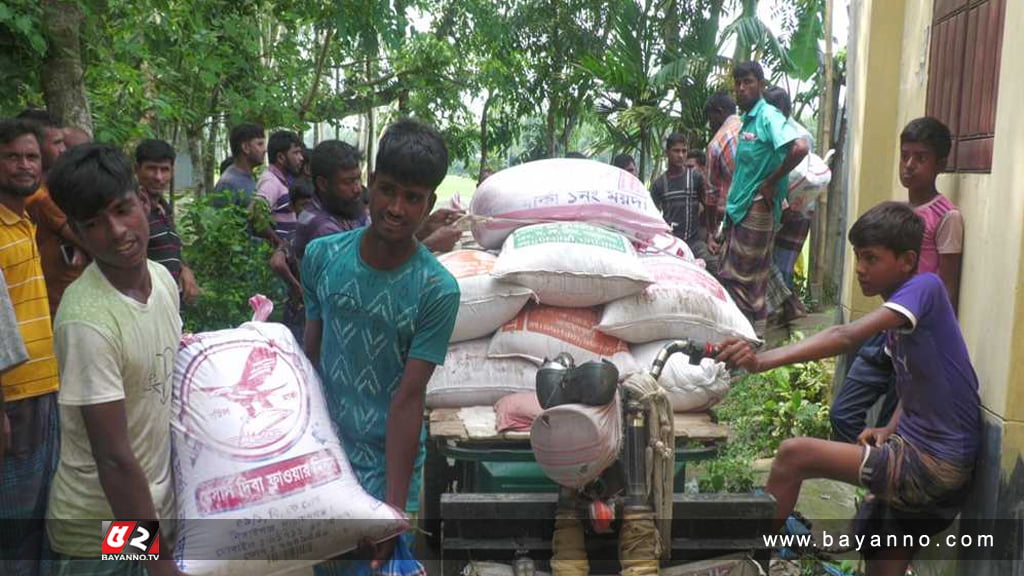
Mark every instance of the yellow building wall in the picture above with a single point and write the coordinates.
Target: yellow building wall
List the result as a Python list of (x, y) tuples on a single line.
[(873, 97), (891, 75)]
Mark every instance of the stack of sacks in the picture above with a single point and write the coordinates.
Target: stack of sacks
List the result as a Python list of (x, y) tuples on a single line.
[(468, 377), (572, 269), (605, 273), (685, 302)]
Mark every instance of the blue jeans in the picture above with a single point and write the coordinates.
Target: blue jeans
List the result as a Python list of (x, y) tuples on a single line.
[(870, 377)]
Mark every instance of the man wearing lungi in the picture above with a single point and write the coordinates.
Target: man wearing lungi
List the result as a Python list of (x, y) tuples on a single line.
[(768, 149)]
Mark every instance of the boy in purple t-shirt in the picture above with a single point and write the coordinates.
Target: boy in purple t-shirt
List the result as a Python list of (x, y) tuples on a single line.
[(924, 150), (919, 466)]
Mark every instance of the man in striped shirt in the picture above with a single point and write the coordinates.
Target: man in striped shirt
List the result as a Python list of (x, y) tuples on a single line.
[(61, 252), (679, 194), (154, 166), (721, 156), (284, 151), (28, 391)]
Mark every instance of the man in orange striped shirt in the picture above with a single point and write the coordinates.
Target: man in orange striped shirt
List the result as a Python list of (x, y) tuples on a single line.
[(721, 154), (28, 391)]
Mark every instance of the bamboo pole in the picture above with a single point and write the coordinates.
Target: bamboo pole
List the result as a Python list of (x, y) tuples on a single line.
[(819, 246)]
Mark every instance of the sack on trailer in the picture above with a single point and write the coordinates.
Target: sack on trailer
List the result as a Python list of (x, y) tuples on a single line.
[(690, 388), (540, 332), (470, 378), (563, 190), (572, 264), (684, 302), (485, 303)]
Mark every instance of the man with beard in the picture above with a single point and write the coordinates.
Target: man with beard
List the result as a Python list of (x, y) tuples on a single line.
[(28, 419), (767, 150), (248, 147), (337, 204), (284, 151), (61, 252)]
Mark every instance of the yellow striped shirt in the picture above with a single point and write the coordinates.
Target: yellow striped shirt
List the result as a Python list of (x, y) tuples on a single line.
[(19, 260)]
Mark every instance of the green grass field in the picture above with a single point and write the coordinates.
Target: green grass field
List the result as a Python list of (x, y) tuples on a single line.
[(453, 185)]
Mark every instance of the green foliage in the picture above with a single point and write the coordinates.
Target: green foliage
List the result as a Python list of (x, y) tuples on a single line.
[(230, 265), (22, 46), (731, 471), (508, 79), (765, 409)]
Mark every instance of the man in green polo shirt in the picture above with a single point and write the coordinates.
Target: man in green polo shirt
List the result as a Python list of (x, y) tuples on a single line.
[(767, 150)]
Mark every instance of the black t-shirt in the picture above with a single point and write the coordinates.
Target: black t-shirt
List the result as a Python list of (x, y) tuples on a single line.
[(680, 197)]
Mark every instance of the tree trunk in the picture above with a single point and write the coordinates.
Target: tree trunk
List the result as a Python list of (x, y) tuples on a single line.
[(194, 135), (820, 259), (835, 226), (63, 74), (318, 73), (211, 162), (483, 136), (549, 131)]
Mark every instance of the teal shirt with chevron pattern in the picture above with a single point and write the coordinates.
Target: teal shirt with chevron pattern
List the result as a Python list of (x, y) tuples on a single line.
[(373, 322)]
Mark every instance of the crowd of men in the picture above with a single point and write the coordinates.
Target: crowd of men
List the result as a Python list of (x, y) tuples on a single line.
[(92, 287), (728, 204), (92, 282)]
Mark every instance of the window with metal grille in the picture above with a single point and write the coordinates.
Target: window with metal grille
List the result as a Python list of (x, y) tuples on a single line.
[(963, 77)]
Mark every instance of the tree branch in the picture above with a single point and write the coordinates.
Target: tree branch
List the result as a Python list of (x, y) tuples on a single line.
[(321, 58)]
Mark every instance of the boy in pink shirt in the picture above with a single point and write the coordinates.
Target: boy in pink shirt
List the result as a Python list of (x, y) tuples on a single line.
[(924, 150)]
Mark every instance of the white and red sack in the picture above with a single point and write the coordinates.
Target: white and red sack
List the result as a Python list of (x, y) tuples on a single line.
[(485, 303), (562, 190), (684, 302), (571, 264), (470, 378), (575, 443), (690, 388), (540, 332), (259, 473)]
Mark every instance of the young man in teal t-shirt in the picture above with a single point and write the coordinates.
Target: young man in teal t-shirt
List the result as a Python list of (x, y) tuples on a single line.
[(380, 310), (767, 150)]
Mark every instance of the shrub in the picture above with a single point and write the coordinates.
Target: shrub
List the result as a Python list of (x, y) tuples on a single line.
[(230, 264)]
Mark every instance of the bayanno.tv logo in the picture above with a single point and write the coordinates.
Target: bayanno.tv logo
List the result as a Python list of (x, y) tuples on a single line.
[(130, 540)]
